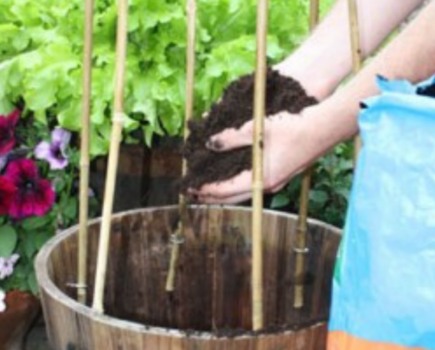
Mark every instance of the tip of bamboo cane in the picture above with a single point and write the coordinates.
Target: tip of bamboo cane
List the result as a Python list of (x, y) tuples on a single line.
[(298, 304), (169, 287)]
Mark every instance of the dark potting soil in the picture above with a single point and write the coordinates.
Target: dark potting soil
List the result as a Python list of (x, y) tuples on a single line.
[(232, 111)]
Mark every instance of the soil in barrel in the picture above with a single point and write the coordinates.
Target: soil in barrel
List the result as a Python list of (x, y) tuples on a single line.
[(213, 281), (232, 111)]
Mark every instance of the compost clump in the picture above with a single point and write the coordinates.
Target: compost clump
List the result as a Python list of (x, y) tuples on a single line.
[(232, 111)]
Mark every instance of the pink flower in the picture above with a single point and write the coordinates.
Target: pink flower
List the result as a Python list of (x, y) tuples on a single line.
[(7, 131), (34, 196), (7, 193), (54, 152)]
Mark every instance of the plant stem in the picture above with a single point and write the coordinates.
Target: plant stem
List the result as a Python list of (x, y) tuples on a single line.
[(257, 185), (118, 123)]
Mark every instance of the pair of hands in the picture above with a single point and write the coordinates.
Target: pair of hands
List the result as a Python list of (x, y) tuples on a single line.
[(286, 152)]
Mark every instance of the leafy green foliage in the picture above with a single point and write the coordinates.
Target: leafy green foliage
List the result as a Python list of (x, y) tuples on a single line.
[(41, 46), (329, 194), (8, 240), (325, 6)]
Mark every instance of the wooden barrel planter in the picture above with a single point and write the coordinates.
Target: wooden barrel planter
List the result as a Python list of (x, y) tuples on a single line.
[(210, 308)]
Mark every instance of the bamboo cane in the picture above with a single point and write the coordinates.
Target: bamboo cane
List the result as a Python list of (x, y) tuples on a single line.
[(257, 185), (356, 56), (118, 122), (301, 240), (178, 237), (314, 14), (301, 236), (84, 156)]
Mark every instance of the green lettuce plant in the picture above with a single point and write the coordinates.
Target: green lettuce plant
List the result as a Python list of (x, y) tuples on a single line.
[(41, 56)]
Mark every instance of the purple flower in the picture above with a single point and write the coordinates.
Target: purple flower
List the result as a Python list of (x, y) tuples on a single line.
[(7, 266), (34, 196), (7, 131), (7, 194), (54, 152)]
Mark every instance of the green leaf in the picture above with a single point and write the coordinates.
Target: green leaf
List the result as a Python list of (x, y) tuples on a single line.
[(29, 247), (33, 283), (69, 118), (148, 132), (343, 192), (35, 223), (8, 241), (280, 200), (41, 93), (99, 145), (5, 70), (41, 116), (130, 124), (59, 184), (42, 237), (70, 209), (318, 197), (21, 41)]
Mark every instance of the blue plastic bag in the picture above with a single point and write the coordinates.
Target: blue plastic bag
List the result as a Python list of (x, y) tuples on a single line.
[(384, 285)]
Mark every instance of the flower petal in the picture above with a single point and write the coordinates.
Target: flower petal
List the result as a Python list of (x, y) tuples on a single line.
[(7, 193), (60, 137), (43, 151), (14, 258), (3, 161), (21, 169), (22, 206), (14, 117), (57, 163), (43, 199), (34, 196), (37, 202)]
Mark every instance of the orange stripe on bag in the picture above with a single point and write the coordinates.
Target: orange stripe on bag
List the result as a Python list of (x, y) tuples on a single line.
[(344, 341)]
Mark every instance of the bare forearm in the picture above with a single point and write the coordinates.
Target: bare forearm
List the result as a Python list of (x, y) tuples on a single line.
[(325, 59), (410, 56)]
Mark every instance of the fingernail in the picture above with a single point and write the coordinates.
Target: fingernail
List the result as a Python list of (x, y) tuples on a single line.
[(214, 145)]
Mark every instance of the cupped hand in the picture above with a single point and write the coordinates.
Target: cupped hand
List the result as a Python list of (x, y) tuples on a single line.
[(286, 153)]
